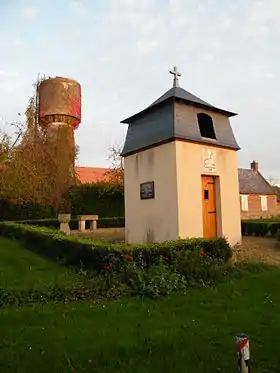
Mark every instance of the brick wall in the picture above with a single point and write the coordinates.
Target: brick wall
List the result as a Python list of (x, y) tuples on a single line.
[(255, 210)]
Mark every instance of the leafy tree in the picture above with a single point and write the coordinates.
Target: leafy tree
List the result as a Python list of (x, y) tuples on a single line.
[(35, 170)]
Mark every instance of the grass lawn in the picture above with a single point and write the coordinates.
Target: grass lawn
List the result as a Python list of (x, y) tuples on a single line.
[(22, 269), (192, 333)]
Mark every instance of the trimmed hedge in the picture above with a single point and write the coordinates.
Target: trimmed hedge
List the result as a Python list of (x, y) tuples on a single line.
[(260, 228), (9, 211), (100, 199), (94, 255), (116, 222)]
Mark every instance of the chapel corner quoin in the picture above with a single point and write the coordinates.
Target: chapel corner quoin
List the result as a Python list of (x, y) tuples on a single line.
[(180, 167)]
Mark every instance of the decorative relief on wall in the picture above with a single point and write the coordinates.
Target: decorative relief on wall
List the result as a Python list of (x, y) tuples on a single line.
[(209, 160), (147, 190)]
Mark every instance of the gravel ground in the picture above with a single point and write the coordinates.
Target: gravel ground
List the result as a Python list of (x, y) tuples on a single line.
[(260, 249)]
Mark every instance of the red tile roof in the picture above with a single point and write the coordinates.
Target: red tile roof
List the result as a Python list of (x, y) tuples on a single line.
[(91, 174)]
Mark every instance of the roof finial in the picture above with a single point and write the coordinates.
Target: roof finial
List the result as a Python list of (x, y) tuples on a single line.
[(176, 75)]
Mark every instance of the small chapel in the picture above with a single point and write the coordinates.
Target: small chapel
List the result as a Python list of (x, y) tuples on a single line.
[(180, 170)]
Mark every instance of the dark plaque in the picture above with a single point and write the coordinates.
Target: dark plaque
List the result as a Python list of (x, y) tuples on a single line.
[(147, 190)]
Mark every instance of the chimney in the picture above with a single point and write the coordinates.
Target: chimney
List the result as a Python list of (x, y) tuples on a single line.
[(255, 166)]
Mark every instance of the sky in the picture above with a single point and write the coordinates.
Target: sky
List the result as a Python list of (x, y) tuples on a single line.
[(121, 51)]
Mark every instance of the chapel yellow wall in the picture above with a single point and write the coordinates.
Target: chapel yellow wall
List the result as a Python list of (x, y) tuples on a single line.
[(153, 219), (189, 160)]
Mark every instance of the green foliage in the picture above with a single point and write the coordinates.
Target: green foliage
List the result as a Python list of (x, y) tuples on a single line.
[(92, 289), (200, 267), (115, 269), (94, 254), (261, 228), (10, 211), (101, 199)]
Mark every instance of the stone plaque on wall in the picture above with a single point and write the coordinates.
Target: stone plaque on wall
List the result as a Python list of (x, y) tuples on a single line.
[(147, 190), (209, 160)]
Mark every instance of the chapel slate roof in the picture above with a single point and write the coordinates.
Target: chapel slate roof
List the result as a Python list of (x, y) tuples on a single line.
[(252, 182), (166, 119), (178, 93), (182, 94)]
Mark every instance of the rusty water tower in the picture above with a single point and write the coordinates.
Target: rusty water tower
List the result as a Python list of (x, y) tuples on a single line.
[(59, 105), (59, 114)]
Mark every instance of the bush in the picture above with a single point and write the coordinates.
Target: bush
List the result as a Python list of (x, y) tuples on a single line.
[(260, 228), (116, 269), (94, 288), (9, 211), (101, 199), (94, 255)]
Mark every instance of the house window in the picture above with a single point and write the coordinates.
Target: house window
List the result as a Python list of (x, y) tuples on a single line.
[(264, 203), (244, 202), (206, 126)]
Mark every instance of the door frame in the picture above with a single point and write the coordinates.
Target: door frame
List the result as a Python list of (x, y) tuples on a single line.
[(216, 195)]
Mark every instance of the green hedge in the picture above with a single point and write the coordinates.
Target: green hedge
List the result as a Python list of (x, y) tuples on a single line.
[(100, 199), (9, 211), (115, 222), (96, 254), (260, 228)]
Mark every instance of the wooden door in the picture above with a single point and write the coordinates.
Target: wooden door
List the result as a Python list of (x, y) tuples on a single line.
[(209, 207)]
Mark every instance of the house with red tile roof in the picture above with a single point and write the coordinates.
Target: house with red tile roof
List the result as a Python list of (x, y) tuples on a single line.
[(258, 199), (88, 175)]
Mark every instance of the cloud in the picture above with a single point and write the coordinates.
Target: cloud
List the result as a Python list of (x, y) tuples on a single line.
[(8, 74), (78, 7), (147, 46), (30, 13), (208, 57), (8, 81)]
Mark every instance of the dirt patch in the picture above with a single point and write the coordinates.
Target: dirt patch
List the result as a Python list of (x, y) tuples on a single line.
[(259, 249), (112, 234)]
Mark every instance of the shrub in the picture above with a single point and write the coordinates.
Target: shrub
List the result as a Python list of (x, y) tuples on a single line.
[(116, 269), (261, 228), (154, 281), (200, 267), (102, 199), (94, 288), (95, 254), (9, 211)]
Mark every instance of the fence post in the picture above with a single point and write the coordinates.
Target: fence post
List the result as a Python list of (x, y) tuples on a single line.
[(243, 353)]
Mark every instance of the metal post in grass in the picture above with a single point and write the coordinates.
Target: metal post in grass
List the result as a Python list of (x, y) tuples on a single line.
[(243, 353)]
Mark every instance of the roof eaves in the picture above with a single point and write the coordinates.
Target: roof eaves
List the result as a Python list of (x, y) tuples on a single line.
[(207, 106), (146, 110), (267, 183), (174, 98)]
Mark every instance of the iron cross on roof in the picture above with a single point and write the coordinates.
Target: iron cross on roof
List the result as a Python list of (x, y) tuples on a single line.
[(176, 75)]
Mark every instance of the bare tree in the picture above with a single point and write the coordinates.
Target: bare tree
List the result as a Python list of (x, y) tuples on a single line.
[(115, 174)]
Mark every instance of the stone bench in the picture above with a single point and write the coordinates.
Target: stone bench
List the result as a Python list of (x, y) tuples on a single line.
[(92, 222)]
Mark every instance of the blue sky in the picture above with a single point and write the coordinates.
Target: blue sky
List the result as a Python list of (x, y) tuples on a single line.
[(121, 51)]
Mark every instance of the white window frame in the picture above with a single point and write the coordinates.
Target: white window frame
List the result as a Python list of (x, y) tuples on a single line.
[(264, 203), (244, 202)]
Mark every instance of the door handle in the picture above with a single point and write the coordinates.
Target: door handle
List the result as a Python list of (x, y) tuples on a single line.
[(211, 212)]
